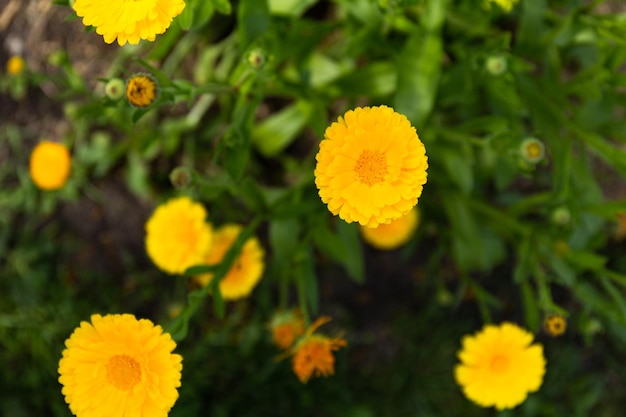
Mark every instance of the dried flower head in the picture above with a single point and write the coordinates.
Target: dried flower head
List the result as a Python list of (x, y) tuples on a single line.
[(117, 365), (371, 166)]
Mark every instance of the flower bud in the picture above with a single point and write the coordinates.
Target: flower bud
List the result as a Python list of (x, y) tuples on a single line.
[(532, 150), (180, 177), (114, 89), (496, 65)]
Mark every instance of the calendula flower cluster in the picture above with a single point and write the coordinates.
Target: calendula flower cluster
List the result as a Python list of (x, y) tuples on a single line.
[(500, 366), (371, 166), (128, 21), (117, 365)]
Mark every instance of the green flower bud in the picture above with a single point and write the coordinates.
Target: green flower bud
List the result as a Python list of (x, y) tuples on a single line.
[(532, 150), (561, 216), (180, 177), (115, 88), (496, 65), (256, 58)]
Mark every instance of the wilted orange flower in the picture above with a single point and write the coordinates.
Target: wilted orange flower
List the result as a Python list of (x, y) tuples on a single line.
[(371, 166), (313, 353), (286, 327)]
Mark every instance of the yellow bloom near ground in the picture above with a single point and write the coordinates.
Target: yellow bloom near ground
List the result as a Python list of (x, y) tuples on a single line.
[(499, 366), (371, 166), (286, 327), (394, 234), (177, 235), (117, 365), (128, 20), (15, 65), (313, 353), (50, 165), (245, 272)]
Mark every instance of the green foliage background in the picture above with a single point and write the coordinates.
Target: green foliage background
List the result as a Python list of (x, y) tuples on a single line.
[(246, 92)]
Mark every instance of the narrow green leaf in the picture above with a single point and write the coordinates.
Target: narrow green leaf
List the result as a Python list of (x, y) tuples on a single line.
[(531, 310), (253, 20), (353, 261), (222, 6), (276, 132)]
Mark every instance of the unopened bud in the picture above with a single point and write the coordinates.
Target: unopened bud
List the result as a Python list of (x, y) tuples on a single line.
[(180, 177), (115, 88), (532, 150), (496, 65)]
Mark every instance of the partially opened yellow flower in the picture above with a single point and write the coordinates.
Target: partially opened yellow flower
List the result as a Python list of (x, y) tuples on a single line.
[(177, 235), (555, 324), (141, 90), (499, 366), (313, 353), (371, 166), (393, 234), (245, 272), (50, 165), (128, 20), (286, 326), (120, 366)]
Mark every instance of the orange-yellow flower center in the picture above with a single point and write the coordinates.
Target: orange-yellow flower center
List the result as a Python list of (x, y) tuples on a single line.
[(371, 167), (534, 150), (141, 91), (123, 372), (499, 363)]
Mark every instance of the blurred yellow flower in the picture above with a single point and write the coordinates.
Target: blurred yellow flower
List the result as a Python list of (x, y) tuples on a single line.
[(393, 234), (177, 235), (50, 165), (15, 65), (505, 5), (371, 166), (313, 353), (555, 324), (499, 366), (245, 272), (128, 21), (120, 366), (286, 327), (141, 90)]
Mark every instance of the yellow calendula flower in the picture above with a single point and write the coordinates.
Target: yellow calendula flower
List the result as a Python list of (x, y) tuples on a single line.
[(371, 166), (117, 365), (555, 325), (50, 165), (245, 272), (286, 326), (141, 90), (15, 65), (313, 353), (128, 20), (499, 366), (178, 236), (393, 234), (505, 5)]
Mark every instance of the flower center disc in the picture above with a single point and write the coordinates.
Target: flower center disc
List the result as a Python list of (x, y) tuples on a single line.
[(499, 363), (371, 167), (123, 372)]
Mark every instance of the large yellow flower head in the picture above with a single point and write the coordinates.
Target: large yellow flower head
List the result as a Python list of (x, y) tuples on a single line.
[(499, 366), (393, 234), (313, 353), (371, 166), (245, 272), (128, 20), (50, 165), (177, 235), (120, 366)]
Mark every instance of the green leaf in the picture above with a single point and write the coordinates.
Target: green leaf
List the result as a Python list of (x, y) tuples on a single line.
[(199, 269), (222, 6), (353, 261), (307, 281), (531, 309), (283, 237), (253, 21), (276, 132), (290, 7), (459, 167), (179, 326), (419, 69), (377, 79)]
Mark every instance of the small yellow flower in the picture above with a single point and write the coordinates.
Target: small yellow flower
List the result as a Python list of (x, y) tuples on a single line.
[(499, 366), (394, 234), (313, 353), (505, 5), (245, 272), (128, 21), (555, 324), (50, 165), (286, 327), (177, 235), (141, 90), (371, 166), (117, 365), (532, 150), (15, 65)]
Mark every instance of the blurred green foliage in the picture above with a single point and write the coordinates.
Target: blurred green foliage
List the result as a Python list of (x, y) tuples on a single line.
[(246, 92)]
